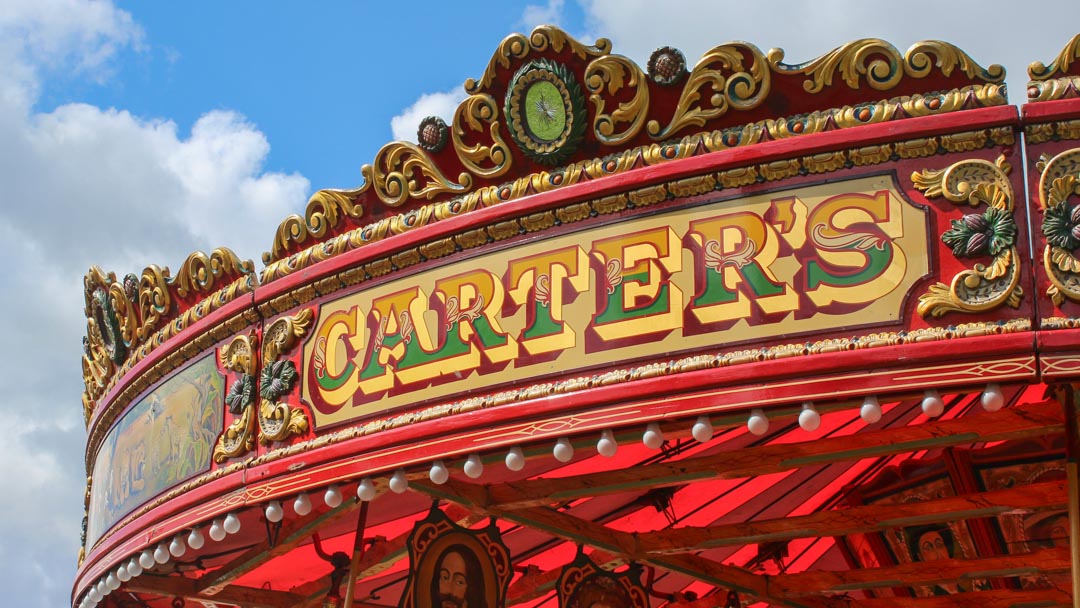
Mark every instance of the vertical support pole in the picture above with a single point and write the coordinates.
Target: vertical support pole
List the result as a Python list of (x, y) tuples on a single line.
[(358, 554), (1072, 470)]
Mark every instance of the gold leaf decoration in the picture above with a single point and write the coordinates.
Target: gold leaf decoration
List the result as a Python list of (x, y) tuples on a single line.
[(238, 438), (733, 83), (278, 420), (982, 288), (873, 58), (475, 112), (1059, 180), (325, 211), (1060, 65), (923, 56), (517, 46), (200, 272), (282, 334), (403, 170), (613, 73)]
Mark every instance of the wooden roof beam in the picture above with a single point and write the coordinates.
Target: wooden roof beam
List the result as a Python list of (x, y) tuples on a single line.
[(1031, 420), (1044, 561), (870, 518), (178, 586), (997, 598)]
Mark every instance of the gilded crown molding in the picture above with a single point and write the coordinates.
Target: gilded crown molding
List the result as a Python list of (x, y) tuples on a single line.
[(625, 107)]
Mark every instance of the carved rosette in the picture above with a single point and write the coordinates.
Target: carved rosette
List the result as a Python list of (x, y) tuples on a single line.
[(1059, 200), (279, 420), (976, 183)]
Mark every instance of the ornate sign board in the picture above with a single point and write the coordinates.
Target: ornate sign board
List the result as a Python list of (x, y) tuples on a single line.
[(700, 274), (455, 567), (583, 584)]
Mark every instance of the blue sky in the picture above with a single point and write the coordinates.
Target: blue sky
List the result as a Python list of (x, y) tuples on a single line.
[(134, 133)]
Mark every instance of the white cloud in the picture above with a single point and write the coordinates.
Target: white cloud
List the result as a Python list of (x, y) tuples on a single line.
[(404, 125), (80, 185), (542, 14)]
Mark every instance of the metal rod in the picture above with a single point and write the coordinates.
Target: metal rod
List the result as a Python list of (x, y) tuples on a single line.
[(358, 554)]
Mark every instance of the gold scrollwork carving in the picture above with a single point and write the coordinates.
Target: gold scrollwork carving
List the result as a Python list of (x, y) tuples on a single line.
[(403, 171), (200, 272), (476, 111), (325, 211), (722, 70), (278, 420), (239, 438), (982, 288), (1060, 65), (518, 46), (615, 72), (1060, 180)]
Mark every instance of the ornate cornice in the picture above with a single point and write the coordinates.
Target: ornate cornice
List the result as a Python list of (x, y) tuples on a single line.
[(724, 99), (1060, 79)]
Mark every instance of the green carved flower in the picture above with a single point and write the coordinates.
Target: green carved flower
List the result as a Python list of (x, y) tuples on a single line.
[(241, 394), (974, 235), (1061, 226), (277, 379)]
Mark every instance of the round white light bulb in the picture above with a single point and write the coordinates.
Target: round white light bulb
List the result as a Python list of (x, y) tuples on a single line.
[(932, 405), (515, 459), (217, 532), (474, 467), (607, 446), (398, 482), (103, 588), (112, 582), (274, 512), (122, 573), (365, 490), (439, 474), (177, 547), (232, 524), (809, 418), (992, 398), (653, 437), (94, 595), (134, 568), (702, 429), (870, 410), (161, 554), (302, 505), (195, 540), (563, 450), (333, 497), (758, 422), (146, 559)]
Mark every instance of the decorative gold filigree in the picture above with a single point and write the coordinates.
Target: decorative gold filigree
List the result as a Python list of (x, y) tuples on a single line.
[(1060, 65), (239, 437), (613, 73), (982, 288), (733, 83), (278, 420), (1060, 180), (325, 211), (882, 66), (475, 112), (517, 46), (200, 272), (402, 171)]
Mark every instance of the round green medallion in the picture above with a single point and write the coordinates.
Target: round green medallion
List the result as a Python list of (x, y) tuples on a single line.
[(545, 111)]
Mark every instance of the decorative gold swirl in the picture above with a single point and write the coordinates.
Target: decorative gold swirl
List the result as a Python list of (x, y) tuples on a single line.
[(199, 273), (1059, 180), (974, 182), (239, 355), (723, 71), (238, 438), (475, 112), (282, 334), (1060, 65), (154, 300), (403, 171), (517, 46), (325, 210), (614, 72), (923, 56), (278, 420)]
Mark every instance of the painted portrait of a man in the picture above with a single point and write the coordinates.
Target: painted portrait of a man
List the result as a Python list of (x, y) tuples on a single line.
[(458, 580)]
